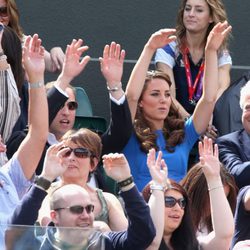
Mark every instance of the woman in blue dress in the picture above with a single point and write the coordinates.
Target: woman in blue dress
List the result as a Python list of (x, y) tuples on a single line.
[(157, 122)]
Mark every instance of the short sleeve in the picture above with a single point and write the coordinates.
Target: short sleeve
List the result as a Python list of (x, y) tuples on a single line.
[(224, 58)]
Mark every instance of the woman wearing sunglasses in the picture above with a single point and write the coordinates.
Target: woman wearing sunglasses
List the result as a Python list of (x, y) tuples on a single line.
[(83, 152), (171, 202)]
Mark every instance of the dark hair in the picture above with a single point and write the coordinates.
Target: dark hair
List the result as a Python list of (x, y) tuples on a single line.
[(196, 187), (12, 48), (173, 129), (184, 236), (218, 13)]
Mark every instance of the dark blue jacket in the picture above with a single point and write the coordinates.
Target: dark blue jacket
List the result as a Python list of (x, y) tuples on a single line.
[(139, 235)]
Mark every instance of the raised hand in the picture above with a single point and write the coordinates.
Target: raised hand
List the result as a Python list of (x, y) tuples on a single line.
[(72, 65), (116, 166), (209, 158), (112, 63), (217, 35), (57, 58), (33, 57), (161, 38), (157, 168), (53, 167)]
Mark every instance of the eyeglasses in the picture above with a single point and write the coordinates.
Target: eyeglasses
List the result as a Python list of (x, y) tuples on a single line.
[(171, 201), (78, 209), (71, 105), (78, 152), (3, 12)]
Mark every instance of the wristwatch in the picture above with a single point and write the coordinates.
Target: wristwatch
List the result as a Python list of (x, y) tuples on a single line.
[(42, 182)]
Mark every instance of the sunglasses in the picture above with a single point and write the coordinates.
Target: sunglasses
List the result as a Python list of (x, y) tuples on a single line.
[(171, 201), (71, 105), (77, 209), (3, 12), (78, 152)]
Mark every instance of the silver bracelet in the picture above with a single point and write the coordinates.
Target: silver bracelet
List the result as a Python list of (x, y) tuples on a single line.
[(36, 85), (115, 88), (213, 188), (157, 187)]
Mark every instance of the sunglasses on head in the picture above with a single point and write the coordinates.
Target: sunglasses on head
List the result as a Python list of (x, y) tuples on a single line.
[(78, 152), (71, 105), (171, 201), (3, 11), (78, 209)]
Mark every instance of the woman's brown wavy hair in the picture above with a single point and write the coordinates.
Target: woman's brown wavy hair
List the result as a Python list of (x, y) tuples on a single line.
[(218, 13), (173, 129), (14, 17), (196, 187)]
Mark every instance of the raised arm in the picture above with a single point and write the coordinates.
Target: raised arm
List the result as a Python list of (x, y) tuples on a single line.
[(138, 75), (112, 68), (26, 213), (120, 126), (158, 171), (140, 222), (31, 148), (204, 108), (222, 217)]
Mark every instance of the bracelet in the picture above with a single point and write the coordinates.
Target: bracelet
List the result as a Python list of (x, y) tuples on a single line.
[(126, 182), (115, 88), (36, 85), (157, 187), (213, 188)]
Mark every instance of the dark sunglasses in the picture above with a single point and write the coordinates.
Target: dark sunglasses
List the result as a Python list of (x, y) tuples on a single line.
[(71, 105), (78, 152), (3, 11), (171, 201), (77, 209)]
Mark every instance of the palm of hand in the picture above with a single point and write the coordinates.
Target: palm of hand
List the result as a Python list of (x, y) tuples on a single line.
[(72, 65), (161, 38), (34, 63), (112, 69), (212, 165), (117, 168)]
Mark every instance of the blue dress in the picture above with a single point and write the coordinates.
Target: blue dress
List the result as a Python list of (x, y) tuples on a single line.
[(177, 161)]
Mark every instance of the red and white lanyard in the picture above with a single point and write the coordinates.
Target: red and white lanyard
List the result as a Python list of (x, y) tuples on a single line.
[(191, 87)]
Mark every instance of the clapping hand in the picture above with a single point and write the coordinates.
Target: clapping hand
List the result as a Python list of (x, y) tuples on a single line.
[(161, 38), (217, 35)]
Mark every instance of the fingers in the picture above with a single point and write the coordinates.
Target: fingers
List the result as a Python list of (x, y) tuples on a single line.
[(113, 51), (216, 151), (206, 147)]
